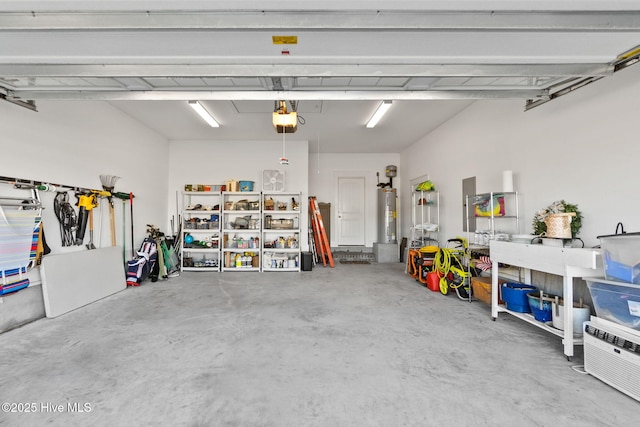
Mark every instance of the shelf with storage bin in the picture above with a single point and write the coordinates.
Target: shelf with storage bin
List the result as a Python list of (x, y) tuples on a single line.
[(241, 223), (200, 252), (241, 242), (238, 201), (239, 259), (281, 231), (200, 260), (496, 209), (281, 202), (281, 250), (200, 231)]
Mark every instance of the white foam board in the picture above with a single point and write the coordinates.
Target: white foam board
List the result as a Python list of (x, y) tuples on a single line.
[(73, 280)]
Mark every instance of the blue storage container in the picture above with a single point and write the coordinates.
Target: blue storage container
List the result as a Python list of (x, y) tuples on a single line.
[(246, 185), (514, 296), (541, 312)]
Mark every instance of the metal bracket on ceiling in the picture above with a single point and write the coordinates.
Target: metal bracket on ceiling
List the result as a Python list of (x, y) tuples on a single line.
[(282, 83), (277, 83), (627, 59), (30, 105), (624, 60), (530, 104)]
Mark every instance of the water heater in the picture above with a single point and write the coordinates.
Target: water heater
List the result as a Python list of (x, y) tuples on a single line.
[(387, 198)]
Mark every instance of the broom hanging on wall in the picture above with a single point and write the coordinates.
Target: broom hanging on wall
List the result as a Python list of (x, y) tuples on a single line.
[(108, 184)]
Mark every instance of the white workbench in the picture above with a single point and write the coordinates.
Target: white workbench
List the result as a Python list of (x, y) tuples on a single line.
[(566, 262)]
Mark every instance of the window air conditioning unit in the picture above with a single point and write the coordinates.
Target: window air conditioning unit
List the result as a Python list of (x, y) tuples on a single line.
[(612, 354)]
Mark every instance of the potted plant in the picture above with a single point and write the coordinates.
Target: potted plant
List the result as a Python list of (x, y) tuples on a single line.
[(557, 207)]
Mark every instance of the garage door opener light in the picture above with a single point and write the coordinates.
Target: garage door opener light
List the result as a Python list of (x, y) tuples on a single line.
[(283, 120)]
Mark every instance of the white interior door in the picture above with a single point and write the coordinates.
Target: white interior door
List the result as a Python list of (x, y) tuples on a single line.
[(350, 212)]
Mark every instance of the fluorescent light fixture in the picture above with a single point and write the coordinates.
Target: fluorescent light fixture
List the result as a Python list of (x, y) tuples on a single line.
[(382, 109), (202, 112)]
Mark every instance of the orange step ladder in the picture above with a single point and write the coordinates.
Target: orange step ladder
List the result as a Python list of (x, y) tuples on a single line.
[(319, 233)]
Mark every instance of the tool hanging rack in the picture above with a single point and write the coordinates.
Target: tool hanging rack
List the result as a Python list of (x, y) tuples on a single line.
[(28, 184), (82, 193)]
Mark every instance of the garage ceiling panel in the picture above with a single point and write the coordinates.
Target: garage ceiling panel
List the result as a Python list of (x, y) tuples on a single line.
[(432, 58)]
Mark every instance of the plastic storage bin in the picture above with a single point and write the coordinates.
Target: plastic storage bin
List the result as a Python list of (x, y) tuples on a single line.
[(282, 223), (581, 314), (621, 255), (246, 185), (482, 289), (514, 296), (616, 301)]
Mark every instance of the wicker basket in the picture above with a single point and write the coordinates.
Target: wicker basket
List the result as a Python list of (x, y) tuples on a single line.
[(559, 225)]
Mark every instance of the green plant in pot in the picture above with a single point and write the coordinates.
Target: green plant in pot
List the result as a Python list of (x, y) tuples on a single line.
[(557, 207)]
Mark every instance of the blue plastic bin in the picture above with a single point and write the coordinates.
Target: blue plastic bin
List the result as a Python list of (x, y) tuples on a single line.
[(246, 185), (514, 296), (544, 314)]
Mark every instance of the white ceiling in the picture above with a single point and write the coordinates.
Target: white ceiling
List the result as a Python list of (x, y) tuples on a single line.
[(433, 58), (335, 126)]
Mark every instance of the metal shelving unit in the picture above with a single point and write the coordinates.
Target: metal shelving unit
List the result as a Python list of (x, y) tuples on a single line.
[(201, 227), (506, 216), (241, 218), (281, 231), (425, 218), (240, 231)]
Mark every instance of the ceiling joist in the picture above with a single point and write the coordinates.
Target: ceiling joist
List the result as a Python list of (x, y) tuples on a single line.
[(103, 52), (304, 69), (300, 20), (186, 95)]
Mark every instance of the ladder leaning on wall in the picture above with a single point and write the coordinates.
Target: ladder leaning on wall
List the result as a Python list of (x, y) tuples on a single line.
[(320, 240)]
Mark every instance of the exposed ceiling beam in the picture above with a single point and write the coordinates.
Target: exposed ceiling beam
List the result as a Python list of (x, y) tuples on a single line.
[(275, 95), (326, 69), (298, 20)]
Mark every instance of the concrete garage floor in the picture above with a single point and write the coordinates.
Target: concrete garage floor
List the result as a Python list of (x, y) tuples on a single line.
[(358, 345)]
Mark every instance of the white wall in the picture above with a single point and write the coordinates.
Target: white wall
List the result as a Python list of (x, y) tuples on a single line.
[(214, 162), (72, 143), (582, 148), (324, 170)]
